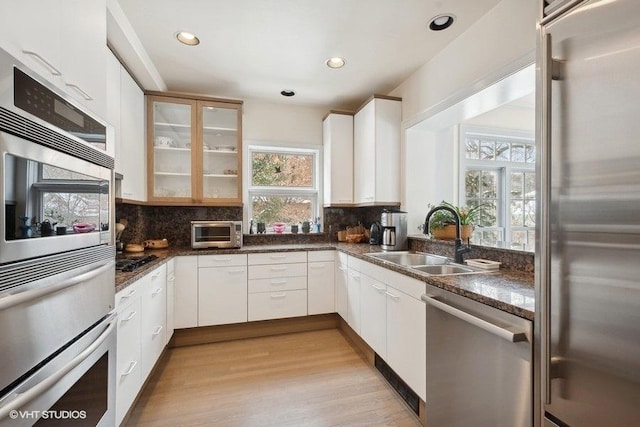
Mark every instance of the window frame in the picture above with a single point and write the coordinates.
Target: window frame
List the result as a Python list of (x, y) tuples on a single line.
[(504, 169), (312, 192)]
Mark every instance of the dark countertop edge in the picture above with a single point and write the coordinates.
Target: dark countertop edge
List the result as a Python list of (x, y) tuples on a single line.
[(454, 284)]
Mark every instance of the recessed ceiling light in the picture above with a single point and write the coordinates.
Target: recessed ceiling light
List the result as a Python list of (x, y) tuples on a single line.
[(441, 22), (187, 38), (335, 62), (287, 92)]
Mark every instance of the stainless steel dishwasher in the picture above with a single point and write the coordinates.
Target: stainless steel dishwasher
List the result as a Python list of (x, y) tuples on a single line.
[(479, 364)]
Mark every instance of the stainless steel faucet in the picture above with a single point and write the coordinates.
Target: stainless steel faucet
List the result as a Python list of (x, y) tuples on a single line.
[(459, 250)]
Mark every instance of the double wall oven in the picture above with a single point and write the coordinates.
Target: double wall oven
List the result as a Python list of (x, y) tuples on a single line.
[(57, 259)]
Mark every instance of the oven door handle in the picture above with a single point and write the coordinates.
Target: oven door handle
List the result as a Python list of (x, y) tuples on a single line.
[(31, 294), (19, 399)]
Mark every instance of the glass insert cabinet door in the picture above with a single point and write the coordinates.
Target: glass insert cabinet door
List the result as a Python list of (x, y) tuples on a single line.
[(219, 126), (194, 151), (171, 164)]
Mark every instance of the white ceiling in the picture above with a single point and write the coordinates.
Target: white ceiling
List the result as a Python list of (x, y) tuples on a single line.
[(253, 49)]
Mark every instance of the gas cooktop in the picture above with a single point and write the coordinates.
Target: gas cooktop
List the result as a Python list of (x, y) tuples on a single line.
[(133, 263)]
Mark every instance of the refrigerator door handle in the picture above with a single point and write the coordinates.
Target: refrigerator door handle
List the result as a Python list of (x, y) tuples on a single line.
[(550, 70)]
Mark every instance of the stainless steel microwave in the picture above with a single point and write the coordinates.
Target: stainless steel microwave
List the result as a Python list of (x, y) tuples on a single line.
[(216, 234)]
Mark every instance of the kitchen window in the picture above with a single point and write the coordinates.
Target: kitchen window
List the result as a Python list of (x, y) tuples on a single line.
[(497, 170), (283, 185)]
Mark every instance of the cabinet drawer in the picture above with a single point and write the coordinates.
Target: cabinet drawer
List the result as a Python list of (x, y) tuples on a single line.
[(276, 284), (314, 256), (129, 381), (129, 333), (127, 295), (222, 260), (277, 305), (354, 263), (342, 258), (278, 270), (277, 258)]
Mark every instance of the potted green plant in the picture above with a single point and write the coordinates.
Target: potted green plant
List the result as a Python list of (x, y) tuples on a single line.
[(442, 223)]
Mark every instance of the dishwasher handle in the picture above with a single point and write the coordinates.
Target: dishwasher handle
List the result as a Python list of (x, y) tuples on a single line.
[(476, 321)]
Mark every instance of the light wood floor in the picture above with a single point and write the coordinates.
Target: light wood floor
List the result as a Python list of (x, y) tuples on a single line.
[(303, 379)]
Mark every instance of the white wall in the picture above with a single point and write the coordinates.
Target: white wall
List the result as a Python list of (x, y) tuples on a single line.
[(504, 36), (282, 124), (430, 177)]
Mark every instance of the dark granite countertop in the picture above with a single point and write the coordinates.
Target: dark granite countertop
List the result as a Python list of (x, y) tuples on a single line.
[(507, 290)]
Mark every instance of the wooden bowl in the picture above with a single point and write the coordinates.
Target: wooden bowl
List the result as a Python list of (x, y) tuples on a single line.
[(134, 247), (355, 238)]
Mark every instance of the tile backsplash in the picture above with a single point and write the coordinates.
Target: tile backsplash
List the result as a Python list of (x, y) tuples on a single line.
[(173, 223), (168, 222), (509, 259)]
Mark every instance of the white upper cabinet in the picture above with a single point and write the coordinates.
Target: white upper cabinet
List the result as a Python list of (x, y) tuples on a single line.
[(376, 159), (132, 157), (337, 139), (125, 112), (64, 41), (83, 39)]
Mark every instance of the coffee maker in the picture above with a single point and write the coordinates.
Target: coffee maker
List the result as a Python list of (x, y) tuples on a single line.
[(394, 230)]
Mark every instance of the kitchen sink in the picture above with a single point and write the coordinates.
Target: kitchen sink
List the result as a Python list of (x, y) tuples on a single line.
[(434, 265), (441, 270), (410, 259)]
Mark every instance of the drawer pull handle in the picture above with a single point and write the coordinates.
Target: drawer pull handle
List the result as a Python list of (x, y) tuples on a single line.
[(236, 270), (277, 256), (131, 293), (342, 268), (53, 70), (283, 268), (317, 267), (278, 296), (278, 282), (158, 330), (82, 93), (132, 366), (392, 295), (222, 259), (130, 316), (171, 278), (156, 292), (355, 275), (378, 288)]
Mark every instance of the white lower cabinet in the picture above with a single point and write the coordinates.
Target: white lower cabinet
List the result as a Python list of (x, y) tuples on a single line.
[(171, 280), (142, 310), (222, 291), (373, 314), (392, 322), (320, 282), (128, 379), (154, 317), (277, 285), (353, 294), (185, 308), (406, 339), (342, 279)]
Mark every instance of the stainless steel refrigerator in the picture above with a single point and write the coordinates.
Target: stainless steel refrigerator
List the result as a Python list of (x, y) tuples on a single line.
[(587, 358)]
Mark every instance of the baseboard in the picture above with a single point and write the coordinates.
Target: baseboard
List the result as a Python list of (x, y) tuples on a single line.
[(238, 331)]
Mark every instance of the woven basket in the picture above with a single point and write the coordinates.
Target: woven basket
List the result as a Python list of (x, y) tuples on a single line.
[(449, 232)]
